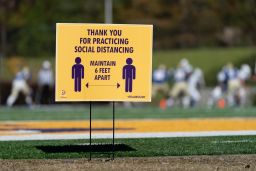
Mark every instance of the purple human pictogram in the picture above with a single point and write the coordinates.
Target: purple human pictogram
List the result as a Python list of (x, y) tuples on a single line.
[(78, 74), (129, 74)]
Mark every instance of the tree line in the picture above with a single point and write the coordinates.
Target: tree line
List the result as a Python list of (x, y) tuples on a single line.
[(28, 26)]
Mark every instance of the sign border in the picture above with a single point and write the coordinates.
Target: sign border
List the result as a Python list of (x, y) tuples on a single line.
[(104, 100)]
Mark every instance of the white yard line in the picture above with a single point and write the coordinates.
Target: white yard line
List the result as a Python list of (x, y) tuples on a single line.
[(233, 141), (125, 135)]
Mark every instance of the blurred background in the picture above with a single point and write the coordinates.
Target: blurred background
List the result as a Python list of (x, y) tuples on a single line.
[(204, 50)]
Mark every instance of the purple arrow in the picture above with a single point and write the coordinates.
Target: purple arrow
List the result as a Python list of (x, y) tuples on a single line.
[(117, 85)]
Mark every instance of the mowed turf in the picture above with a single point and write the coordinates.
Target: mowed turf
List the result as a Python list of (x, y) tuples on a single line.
[(81, 112), (134, 147), (131, 147)]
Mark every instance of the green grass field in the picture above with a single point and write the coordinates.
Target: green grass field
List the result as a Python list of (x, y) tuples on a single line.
[(205, 58), (141, 147), (137, 147), (78, 112)]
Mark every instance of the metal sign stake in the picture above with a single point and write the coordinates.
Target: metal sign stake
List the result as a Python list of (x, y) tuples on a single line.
[(113, 132), (90, 130), (113, 138)]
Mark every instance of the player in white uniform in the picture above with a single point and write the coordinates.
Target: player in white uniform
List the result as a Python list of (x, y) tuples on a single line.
[(19, 84), (45, 83), (160, 78), (194, 82), (243, 75), (231, 83), (234, 84), (220, 90), (179, 88)]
